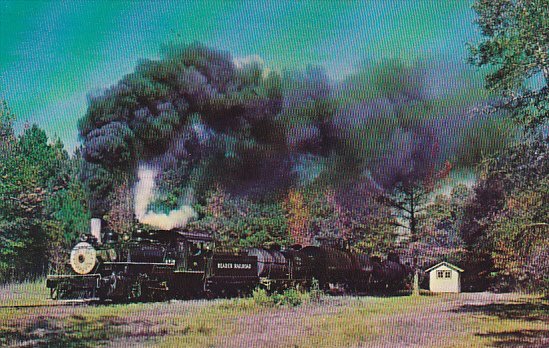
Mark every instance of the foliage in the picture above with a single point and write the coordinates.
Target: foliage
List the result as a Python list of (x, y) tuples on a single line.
[(329, 218), (298, 217), (512, 192), (409, 197), (315, 293), (510, 197), (22, 194), (519, 239), (374, 234), (290, 297), (317, 213), (7, 117), (443, 219), (522, 166), (487, 200), (261, 297), (515, 47), (42, 203), (439, 236), (239, 222), (120, 218)]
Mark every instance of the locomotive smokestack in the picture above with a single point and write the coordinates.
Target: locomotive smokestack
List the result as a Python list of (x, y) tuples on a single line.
[(95, 228)]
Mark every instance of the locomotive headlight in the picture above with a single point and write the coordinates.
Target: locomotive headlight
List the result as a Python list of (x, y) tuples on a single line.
[(83, 258)]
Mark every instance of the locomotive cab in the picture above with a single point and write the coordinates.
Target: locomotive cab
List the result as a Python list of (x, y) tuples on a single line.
[(191, 251)]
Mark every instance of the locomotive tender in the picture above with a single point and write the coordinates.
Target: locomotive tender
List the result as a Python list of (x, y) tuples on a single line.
[(158, 265)]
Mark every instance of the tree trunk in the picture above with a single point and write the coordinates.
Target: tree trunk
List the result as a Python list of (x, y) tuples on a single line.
[(415, 288)]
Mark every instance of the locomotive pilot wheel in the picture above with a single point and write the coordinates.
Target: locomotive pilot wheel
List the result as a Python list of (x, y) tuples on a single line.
[(83, 258)]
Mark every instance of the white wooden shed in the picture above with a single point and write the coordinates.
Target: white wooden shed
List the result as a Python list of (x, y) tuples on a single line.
[(444, 277)]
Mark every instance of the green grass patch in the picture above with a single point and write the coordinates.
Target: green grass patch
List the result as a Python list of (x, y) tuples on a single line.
[(521, 322), (454, 320), (29, 293)]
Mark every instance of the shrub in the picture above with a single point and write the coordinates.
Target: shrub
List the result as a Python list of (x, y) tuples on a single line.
[(289, 297), (261, 297), (315, 294)]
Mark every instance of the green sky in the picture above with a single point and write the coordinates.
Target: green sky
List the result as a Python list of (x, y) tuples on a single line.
[(56, 52)]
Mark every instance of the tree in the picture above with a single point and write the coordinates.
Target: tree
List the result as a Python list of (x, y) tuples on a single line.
[(365, 225), (440, 227), (510, 195), (42, 203), (298, 217), (515, 47), (22, 193), (121, 217), (519, 243), (409, 197), (329, 219), (510, 198), (408, 200), (239, 222), (439, 232), (67, 214), (9, 244), (6, 127)]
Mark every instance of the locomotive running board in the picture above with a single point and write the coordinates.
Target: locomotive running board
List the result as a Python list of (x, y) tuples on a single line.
[(140, 263), (190, 272), (65, 276)]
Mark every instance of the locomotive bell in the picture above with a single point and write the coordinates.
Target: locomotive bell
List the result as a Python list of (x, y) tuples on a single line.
[(83, 258)]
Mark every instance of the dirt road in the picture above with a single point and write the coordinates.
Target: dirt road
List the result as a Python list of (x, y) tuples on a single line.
[(437, 323), (457, 320)]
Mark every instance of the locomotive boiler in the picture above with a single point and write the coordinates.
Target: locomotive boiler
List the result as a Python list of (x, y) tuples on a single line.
[(184, 264)]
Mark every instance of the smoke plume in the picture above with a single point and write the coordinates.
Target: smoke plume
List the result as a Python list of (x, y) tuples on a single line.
[(198, 118), (144, 195)]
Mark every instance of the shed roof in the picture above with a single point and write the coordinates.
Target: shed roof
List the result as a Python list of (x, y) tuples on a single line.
[(444, 263)]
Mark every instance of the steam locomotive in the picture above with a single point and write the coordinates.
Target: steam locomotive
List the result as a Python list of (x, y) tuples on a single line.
[(157, 265)]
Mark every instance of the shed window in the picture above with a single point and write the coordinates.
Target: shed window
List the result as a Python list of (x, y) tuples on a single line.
[(440, 274), (447, 274)]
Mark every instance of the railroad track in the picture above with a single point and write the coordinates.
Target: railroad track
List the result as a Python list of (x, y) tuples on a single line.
[(58, 303)]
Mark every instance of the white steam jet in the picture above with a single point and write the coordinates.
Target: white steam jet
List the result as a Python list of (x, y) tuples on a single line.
[(144, 195)]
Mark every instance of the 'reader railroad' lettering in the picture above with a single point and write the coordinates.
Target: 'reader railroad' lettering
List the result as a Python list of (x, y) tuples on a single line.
[(228, 265)]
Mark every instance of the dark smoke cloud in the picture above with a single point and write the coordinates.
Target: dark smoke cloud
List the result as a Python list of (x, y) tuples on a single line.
[(194, 108), (110, 144), (203, 118), (308, 107), (381, 127), (395, 126)]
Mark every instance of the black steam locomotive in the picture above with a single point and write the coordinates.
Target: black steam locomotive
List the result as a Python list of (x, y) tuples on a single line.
[(158, 265)]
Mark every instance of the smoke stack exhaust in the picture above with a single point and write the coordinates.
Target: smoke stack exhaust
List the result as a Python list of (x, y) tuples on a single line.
[(144, 195), (96, 229)]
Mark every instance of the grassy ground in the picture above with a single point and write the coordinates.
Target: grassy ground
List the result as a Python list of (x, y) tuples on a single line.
[(461, 320)]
